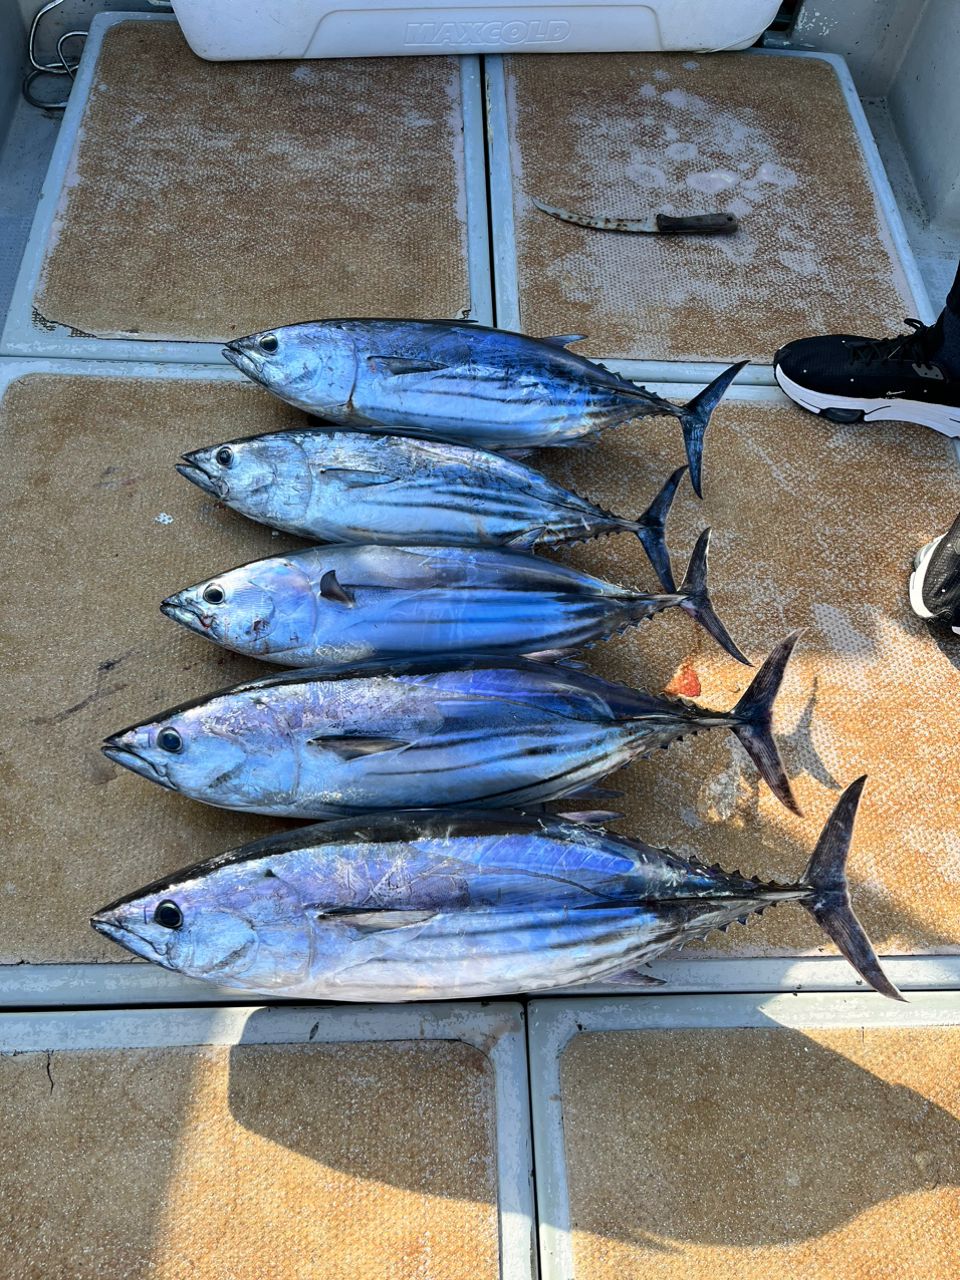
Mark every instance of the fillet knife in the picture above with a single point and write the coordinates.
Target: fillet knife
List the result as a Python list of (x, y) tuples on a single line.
[(658, 224)]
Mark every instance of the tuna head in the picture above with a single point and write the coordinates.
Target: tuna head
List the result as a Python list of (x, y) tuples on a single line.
[(237, 924), (312, 366), (187, 750), (266, 477), (263, 609)]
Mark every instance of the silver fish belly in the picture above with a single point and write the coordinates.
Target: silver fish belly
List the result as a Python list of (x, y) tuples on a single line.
[(333, 607), (449, 380), (491, 733), (436, 905)]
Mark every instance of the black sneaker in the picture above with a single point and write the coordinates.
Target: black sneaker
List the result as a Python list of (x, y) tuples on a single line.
[(935, 581), (850, 379)]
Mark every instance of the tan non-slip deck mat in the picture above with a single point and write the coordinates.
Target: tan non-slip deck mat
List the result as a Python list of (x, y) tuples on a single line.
[(207, 200), (292, 1162), (768, 138), (99, 528), (760, 1154), (815, 527)]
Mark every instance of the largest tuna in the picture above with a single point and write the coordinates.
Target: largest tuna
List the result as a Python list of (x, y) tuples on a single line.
[(425, 735), (421, 906), (451, 380)]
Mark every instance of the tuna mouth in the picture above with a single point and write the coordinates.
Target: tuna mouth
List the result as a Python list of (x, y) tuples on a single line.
[(186, 614), (194, 471), (125, 938), (242, 361), (136, 763)]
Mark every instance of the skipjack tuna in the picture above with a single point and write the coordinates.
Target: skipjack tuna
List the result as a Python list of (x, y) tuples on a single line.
[(344, 486), (438, 905), (425, 735), (333, 607), (452, 380)]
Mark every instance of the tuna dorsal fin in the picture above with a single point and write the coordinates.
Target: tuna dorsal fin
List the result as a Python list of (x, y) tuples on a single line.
[(399, 365), (332, 589), (564, 339), (379, 921), (349, 747)]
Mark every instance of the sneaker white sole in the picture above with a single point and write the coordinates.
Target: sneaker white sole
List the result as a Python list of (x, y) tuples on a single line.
[(921, 560), (941, 417)]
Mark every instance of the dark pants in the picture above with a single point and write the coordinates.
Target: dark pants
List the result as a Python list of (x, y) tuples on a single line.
[(949, 325), (953, 297)]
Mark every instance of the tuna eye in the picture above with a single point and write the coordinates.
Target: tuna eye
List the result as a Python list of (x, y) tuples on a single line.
[(268, 343), (169, 740), (224, 456), (169, 915), (213, 594)]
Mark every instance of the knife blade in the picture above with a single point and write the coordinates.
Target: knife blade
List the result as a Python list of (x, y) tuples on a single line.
[(662, 224)]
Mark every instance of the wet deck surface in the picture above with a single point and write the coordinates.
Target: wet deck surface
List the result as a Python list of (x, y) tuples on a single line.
[(346, 1160), (757, 1154), (768, 138), (208, 200)]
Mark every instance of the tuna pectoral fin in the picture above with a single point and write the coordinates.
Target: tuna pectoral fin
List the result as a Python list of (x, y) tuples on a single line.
[(589, 817), (379, 921), (332, 589), (527, 540), (651, 530), (829, 901), (696, 600), (634, 978), (398, 365), (348, 747), (695, 417), (357, 479), (753, 721)]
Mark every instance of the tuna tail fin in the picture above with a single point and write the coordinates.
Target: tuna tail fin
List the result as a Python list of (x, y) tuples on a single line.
[(695, 600), (752, 721), (829, 900), (651, 530), (695, 417)]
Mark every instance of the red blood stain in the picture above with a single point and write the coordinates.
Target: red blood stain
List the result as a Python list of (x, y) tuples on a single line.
[(685, 684)]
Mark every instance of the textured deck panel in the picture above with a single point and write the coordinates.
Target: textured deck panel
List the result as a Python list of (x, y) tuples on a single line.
[(99, 528), (347, 1161), (815, 527), (208, 200), (759, 1154), (768, 138)]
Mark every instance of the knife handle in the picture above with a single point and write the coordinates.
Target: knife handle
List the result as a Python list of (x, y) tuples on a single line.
[(698, 224)]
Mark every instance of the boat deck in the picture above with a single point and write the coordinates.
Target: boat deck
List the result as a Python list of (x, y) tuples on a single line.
[(672, 1135)]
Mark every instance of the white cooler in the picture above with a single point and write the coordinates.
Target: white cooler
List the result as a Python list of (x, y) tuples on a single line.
[(230, 29)]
